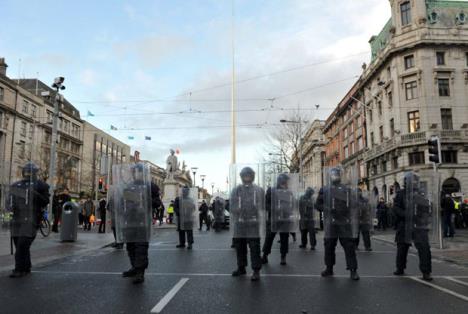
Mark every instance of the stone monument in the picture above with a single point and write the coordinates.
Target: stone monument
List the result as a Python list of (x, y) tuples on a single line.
[(171, 187)]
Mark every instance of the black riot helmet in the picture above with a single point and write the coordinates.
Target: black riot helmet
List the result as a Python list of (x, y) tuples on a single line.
[(247, 175), (185, 192), (138, 172), (411, 181), (335, 175), (30, 171), (282, 181), (309, 192)]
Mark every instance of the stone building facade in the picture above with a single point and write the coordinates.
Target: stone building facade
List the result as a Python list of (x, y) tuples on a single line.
[(313, 154)]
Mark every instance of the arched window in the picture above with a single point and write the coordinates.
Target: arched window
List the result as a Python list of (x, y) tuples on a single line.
[(451, 185)]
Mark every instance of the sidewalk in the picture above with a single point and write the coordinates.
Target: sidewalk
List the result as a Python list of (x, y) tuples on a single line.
[(455, 249), (46, 250)]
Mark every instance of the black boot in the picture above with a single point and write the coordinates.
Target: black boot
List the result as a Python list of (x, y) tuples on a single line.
[(189, 247), (139, 277), (255, 276), (427, 277), (17, 274), (353, 274), (180, 246), (327, 272), (129, 273), (302, 246), (399, 272), (239, 272), (265, 259), (283, 260)]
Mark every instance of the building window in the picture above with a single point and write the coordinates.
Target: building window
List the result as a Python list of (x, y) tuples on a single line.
[(345, 132), (409, 62), (395, 163), (346, 152), (23, 128), (351, 148), (372, 139), (381, 133), (411, 90), (49, 116), (466, 58), (440, 58), (444, 87), (413, 121), (405, 9), (384, 166), (25, 107), (66, 126), (370, 116), (392, 128), (31, 130), (374, 169), (358, 122), (47, 138), (22, 149), (379, 106), (360, 143), (33, 111), (449, 156), (390, 99), (416, 158), (2, 92), (446, 115)]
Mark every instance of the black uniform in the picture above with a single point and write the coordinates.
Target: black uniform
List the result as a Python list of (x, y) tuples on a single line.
[(57, 208), (185, 231), (28, 198), (337, 224), (203, 215), (218, 213), (102, 215), (420, 237), (306, 223), (270, 235), (365, 222)]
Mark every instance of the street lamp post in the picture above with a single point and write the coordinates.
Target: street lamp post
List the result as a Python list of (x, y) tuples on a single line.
[(58, 85), (194, 171), (202, 177), (212, 189)]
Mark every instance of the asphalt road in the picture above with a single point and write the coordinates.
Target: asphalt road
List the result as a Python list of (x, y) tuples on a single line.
[(199, 281)]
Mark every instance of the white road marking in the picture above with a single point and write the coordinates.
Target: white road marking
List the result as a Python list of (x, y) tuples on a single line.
[(448, 291), (460, 282), (168, 297), (229, 275)]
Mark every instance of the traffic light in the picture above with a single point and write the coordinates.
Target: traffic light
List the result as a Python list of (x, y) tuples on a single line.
[(101, 182), (434, 150)]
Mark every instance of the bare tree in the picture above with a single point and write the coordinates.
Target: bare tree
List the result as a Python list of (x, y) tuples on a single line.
[(284, 144)]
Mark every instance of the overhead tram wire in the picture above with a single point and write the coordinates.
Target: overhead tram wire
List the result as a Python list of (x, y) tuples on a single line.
[(174, 98)]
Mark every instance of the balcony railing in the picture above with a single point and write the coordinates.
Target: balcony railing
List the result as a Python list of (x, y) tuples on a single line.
[(413, 138)]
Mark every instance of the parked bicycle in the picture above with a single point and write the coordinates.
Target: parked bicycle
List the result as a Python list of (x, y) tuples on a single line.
[(44, 225)]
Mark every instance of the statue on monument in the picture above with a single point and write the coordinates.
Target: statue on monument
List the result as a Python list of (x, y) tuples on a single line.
[(172, 165)]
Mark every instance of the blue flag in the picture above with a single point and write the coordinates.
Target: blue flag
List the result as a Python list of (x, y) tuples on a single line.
[(148, 138), (131, 137), (113, 128), (90, 114)]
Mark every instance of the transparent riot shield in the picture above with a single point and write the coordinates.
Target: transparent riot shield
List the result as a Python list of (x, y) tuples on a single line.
[(188, 208), (307, 209), (219, 205), (367, 208), (25, 217), (247, 201), (284, 203), (340, 203), (132, 202)]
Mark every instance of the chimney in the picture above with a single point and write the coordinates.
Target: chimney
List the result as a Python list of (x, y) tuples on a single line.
[(3, 67)]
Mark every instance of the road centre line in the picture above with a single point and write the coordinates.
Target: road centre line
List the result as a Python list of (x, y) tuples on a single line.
[(168, 297), (448, 291), (229, 275), (460, 282)]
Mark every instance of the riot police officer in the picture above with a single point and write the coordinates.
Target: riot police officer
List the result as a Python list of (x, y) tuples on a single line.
[(365, 220), (340, 221), (413, 212), (133, 217), (306, 223), (279, 202), (247, 221), (185, 209), (28, 198)]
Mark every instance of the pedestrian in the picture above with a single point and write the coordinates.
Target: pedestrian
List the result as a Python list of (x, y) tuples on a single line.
[(247, 218), (161, 213), (203, 216), (306, 223), (340, 220), (185, 207), (382, 212), (170, 212), (413, 213), (28, 199), (87, 211), (60, 198), (134, 195), (280, 205), (464, 209), (102, 215), (448, 210), (218, 213), (366, 206)]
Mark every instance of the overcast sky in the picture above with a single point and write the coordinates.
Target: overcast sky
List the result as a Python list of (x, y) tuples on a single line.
[(161, 67)]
